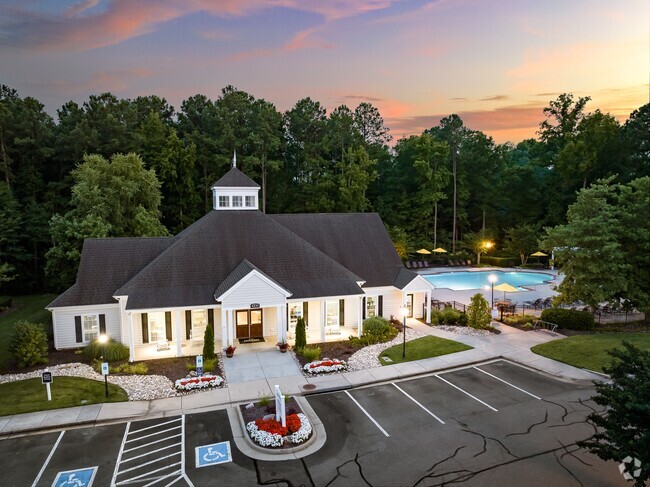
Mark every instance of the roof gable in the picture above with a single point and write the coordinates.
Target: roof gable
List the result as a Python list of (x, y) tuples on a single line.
[(239, 274), (235, 179)]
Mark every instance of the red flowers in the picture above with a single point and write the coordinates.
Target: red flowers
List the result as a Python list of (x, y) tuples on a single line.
[(276, 428), (325, 363)]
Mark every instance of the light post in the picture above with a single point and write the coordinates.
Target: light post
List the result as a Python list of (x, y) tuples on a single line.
[(492, 278), (405, 311), (103, 339)]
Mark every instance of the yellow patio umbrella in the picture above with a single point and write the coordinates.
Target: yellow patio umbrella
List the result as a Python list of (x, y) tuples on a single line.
[(439, 250), (506, 288), (423, 251), (539, 254)]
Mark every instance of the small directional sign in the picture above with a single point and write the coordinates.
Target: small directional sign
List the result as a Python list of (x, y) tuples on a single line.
[(46, 378), (104, 368), (199, 365), (214, 454), (82, 477)]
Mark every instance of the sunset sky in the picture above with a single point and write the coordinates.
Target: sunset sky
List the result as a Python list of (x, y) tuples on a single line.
[(495, 63)]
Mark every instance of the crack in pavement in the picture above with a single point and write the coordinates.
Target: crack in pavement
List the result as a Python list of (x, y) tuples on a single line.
[(304, 464), (432, 469), (531, 426), (269, 482), (355, 460), (485, 438), (566, 411), (559, 462), (571, 453)]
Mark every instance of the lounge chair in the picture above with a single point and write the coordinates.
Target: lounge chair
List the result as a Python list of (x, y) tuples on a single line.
[(426, 264), (450, 263), (548, 302), (421, 265), (407, 264)]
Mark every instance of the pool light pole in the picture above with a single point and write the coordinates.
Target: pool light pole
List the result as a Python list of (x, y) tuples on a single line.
[(103, 339), (492, 278), (405, 311)]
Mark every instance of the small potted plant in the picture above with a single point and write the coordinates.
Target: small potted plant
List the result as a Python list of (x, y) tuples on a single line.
[(283, 346), (230, 350)]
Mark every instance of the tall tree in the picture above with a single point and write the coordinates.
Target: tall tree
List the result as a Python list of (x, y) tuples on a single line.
[(604, 249), (522, 240), (637, 142)]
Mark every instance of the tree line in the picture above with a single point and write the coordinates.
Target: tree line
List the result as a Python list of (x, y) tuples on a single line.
[(138, 167)]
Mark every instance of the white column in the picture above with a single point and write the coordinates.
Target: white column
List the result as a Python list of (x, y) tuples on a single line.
[(429, 306), (360, 326), (179, 336), (323, 320), (131, 339), (231, 327), (224, 328)]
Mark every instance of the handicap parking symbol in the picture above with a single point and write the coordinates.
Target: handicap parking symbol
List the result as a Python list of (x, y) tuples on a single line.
[(82, 477), (214, 454)]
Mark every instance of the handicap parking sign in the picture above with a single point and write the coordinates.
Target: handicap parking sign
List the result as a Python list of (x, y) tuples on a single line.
[(82, 477), (214, 454)]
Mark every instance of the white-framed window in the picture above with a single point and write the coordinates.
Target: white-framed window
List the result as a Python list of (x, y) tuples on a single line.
[(250, 201), (371, 306), (295, 312), (332, 313), (199, 318), (237, 201), (157, 327), (224, 201), (90, 327)]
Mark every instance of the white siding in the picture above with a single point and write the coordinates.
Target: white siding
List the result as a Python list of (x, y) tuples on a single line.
[(392, 304), (270, 317), (351, 312), (253, 290), (418, 301), (64, 326)]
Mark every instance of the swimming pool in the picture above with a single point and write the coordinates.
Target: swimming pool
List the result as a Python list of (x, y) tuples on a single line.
[(464, 280)]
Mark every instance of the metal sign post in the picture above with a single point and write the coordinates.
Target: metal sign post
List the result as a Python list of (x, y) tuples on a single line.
[(46, 378), (280, 413), (105, 374), (199, 365)]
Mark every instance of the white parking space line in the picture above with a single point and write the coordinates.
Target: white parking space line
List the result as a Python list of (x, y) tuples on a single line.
[(47, 460), (465, 392), (154, 462), (416, 402), (367, 414), (508, 383)]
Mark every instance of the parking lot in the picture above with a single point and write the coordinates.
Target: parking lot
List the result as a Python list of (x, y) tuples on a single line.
[(494, 424)]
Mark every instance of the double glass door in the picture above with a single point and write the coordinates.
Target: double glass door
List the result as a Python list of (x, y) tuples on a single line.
[(249, 323)]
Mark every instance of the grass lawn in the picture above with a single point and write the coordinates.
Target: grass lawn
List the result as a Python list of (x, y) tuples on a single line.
[(589, 351), (29, 395), (24, 308), (420, 348)]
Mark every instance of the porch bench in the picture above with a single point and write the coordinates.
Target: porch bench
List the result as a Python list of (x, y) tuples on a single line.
[(162, 345)]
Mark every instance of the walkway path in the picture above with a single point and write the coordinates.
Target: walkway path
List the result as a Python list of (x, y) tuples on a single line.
[(256, 378)]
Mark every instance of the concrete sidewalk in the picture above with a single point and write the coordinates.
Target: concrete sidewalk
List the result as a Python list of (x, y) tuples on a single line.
[(512, 344)]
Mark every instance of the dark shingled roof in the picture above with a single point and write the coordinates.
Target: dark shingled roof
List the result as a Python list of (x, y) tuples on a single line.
[(359, 241), (106, 264), (205, 254), (242, 270), (235, 179)]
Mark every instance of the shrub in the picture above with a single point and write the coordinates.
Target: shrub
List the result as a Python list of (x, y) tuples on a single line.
[(5, 302), (519, 320), (569, 319), (210, 365), (435, 317), (376, 326), (110, 351), (449, 316), (208, 343), (301, 335), (311, 353), (500, 261), (463, 319), (478, 312), (264, 400), (375, 330), (139, 368), (29, 344)]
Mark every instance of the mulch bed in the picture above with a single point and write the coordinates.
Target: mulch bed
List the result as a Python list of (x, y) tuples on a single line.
[(54, 358), (334, 350), (173, 368), (258, 412)]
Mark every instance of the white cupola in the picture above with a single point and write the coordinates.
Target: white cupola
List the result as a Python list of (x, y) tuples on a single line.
[(235, 191)]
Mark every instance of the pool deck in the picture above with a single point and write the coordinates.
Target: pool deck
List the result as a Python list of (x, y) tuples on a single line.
[(536, 291)]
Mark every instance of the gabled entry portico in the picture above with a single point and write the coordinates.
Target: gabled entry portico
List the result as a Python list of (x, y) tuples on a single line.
[(248, 298)]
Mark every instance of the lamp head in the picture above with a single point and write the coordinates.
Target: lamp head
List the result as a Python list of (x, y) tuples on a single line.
[(103, 338), (404, 311), (493, 278)]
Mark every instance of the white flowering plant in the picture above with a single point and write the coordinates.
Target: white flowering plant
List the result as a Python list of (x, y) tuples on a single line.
[(205, 382), (271, 434), (325, 366)]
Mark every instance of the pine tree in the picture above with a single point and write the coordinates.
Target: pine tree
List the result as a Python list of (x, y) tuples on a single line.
[(301, 338), (208, 343)]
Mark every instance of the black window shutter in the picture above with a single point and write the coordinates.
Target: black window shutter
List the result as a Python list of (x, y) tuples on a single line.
[(363, 311), (305, 312), (188, 324), (102, 324), (381, 305), (168, 326), (77, 329), (341, 312), (211, 318), (145, 327)]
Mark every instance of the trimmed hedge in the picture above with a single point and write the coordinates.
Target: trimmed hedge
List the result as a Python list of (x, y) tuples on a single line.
[(111, 351), (569, 319), (500, 261)]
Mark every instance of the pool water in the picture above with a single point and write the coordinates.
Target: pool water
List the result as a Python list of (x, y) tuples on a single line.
[(464, 280)]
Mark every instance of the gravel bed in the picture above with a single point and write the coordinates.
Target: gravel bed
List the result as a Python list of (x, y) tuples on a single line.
[(137, 387), (463, 330), (368, 357)]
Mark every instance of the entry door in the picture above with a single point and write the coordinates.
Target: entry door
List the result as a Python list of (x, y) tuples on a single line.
[(409, 305), (249, 323)]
